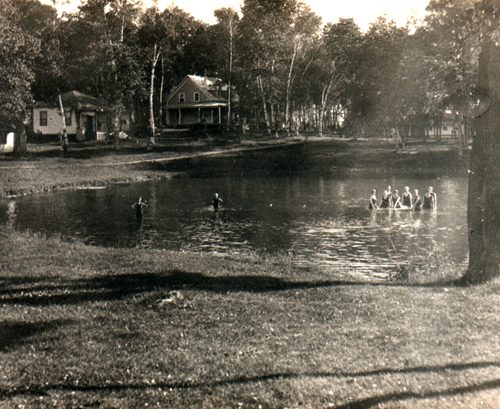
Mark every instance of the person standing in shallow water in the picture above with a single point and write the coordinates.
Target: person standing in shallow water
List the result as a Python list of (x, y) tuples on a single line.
[(430, 199), (417, 205), (373, 201), (396, 200), (407, 198), (386, 201), (139, 208), (216, 201)]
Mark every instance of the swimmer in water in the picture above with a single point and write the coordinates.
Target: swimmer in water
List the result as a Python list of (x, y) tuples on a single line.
[(139, 207), (430, 199), (396, 200), (216, 200), (386, 201), (407, 198), (373, 201), (417, 205)]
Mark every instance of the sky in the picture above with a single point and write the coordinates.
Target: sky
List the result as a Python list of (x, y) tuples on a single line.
[(363, 11)]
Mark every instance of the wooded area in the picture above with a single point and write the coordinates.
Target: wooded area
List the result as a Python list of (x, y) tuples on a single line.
[(287, 71)]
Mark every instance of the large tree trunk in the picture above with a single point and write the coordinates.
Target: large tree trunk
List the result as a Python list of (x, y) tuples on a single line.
[(264, 105), (160, 102), (154, 61), (20, 139), (289, 89), (230, 75), (484, 189)]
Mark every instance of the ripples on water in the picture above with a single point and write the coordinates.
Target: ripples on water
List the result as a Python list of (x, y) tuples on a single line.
[(321, 220)]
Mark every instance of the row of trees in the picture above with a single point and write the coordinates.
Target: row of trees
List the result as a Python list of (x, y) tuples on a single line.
[(286, 70)]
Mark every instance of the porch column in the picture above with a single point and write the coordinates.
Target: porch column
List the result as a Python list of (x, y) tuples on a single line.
[(180, 116), (211, 116), (199, 115), (220, 116)]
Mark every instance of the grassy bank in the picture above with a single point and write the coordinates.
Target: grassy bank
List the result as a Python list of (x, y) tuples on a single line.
[(90, 166), (45, 170), (118, 328)]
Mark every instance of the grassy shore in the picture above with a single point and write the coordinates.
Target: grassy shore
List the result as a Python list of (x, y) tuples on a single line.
[(45, 168), (85, 326)]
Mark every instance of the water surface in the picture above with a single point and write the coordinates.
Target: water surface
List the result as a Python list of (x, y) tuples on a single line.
[(274, 203)]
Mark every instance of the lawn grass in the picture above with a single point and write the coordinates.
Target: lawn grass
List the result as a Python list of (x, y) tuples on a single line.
[(84, 326)]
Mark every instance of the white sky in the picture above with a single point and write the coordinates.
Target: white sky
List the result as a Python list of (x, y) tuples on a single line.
[(363, 11)]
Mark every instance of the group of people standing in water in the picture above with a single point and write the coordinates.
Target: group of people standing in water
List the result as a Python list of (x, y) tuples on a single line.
[(392, 199)]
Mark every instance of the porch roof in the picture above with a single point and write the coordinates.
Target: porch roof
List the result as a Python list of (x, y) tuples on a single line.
[(197, 105)]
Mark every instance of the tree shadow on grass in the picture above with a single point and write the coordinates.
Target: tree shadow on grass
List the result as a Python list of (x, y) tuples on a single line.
[(40, 390), (15, 333), (116, 287), (400, 396)]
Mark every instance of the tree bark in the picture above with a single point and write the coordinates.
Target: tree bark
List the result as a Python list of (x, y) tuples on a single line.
[(160, 102), (264, 104), (484, 190), (230, 74), (289, 89), (154, 61)]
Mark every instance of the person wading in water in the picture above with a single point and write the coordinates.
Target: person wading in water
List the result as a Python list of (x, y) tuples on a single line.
[(216, 200), (139, 208), (373, 201), (430, 199), (417, 205), (386, 201), (407, 198)]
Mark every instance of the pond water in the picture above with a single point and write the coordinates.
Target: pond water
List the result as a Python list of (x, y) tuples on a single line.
[(278, 202)]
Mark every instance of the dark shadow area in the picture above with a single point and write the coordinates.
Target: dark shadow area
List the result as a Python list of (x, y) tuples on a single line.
[(399, 396), (38, 390), (116, 287), (16, 333)]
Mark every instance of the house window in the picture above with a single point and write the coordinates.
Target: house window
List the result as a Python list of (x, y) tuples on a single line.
[(67, 117), (196, 96), (182, 97), (43, 118)]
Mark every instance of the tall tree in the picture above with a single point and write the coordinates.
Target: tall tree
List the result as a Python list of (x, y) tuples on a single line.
[(163, 34), (454, 54), (226, 30), (484, 190), (18, 51), (382, 50), (338, 61)]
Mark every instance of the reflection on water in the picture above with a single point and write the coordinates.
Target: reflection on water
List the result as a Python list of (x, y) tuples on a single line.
[(332, 229), (321, 220)]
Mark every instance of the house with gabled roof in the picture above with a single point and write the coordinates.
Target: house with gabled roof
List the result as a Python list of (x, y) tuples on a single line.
[(86, 117), (197, 100)]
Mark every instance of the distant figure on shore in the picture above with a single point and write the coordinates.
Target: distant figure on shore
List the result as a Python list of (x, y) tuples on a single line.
[(373, 201), (64, 142), (386, 202), (139, 208), (430, 199), (396, 200), (216, 200), (407, 198), (417, 205)]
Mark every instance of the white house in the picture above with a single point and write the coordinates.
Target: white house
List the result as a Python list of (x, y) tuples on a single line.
[(86, 117)]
